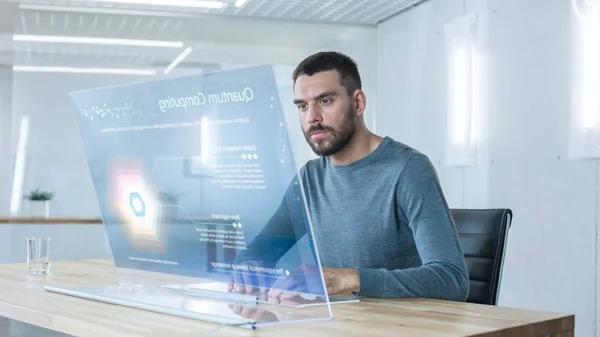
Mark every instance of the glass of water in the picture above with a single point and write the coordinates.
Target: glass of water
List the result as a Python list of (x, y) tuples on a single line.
[(38, 255)]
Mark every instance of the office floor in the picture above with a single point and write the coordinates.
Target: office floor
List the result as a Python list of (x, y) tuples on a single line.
[(12, 328)]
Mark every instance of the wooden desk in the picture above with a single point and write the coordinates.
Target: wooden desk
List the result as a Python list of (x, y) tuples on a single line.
[(23, 298)]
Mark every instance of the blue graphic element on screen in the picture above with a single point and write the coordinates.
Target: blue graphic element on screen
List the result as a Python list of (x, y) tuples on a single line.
[(190, 171), (137, 204)]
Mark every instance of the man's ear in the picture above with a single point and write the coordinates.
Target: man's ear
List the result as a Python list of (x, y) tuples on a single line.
[(359, 101)]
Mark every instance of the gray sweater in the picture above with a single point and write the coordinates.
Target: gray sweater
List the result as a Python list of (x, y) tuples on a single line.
[(386, 216)]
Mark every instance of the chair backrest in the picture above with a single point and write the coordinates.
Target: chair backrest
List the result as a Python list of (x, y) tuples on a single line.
[(483, 234)]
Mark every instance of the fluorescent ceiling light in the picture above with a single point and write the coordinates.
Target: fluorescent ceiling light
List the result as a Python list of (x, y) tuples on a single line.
[(97, 40), (580, 9), (178, 60), (176, 3), (461, 47), (584, 134), (240, 3), (104, 10), (118, 71), (460, 95)]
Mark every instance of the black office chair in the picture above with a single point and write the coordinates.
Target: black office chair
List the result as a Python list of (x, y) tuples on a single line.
[(483, 234)]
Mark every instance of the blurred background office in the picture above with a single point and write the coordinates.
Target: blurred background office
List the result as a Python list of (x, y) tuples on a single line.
[(502, 95)]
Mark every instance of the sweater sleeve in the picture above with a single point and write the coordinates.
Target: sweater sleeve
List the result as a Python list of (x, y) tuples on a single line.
[(443, 273), (285, 227)]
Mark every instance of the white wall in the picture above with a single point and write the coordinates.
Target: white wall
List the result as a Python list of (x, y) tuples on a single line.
[(363, 47), (522, 106)]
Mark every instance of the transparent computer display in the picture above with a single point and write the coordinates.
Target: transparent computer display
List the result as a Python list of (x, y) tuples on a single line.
[(198, 189)]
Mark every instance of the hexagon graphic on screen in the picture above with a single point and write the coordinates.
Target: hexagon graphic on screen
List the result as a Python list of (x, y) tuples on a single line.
[(137, 204), (134, 202)]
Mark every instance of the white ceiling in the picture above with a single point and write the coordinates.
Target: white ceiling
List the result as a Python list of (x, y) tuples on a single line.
[(368, 12), (282, 29)]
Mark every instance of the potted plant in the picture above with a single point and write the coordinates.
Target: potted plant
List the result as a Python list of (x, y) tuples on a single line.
[(39, 202)]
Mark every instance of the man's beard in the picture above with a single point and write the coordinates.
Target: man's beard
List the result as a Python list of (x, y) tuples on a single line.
[(339, 139)]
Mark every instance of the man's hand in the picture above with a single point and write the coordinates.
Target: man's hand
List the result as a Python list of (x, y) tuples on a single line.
[(247, 282), (260, 313), (337, 281)]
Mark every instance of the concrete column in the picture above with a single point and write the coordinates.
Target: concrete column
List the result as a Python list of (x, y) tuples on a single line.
[(6, 153)]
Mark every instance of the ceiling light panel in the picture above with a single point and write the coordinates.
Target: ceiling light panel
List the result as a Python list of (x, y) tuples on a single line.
[(96, 40), (171, 3), (369, 12), (77, 70)]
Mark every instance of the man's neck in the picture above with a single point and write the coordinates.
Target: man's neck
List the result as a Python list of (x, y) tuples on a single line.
[(362, 144)]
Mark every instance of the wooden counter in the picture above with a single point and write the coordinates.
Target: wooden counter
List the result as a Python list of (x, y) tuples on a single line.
[(50, 220), (23, 298)]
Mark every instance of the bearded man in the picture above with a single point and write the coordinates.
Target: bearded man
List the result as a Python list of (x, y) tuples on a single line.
[(380, 218)]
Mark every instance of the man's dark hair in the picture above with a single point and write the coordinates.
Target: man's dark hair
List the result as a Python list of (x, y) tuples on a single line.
[(345, 67)]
